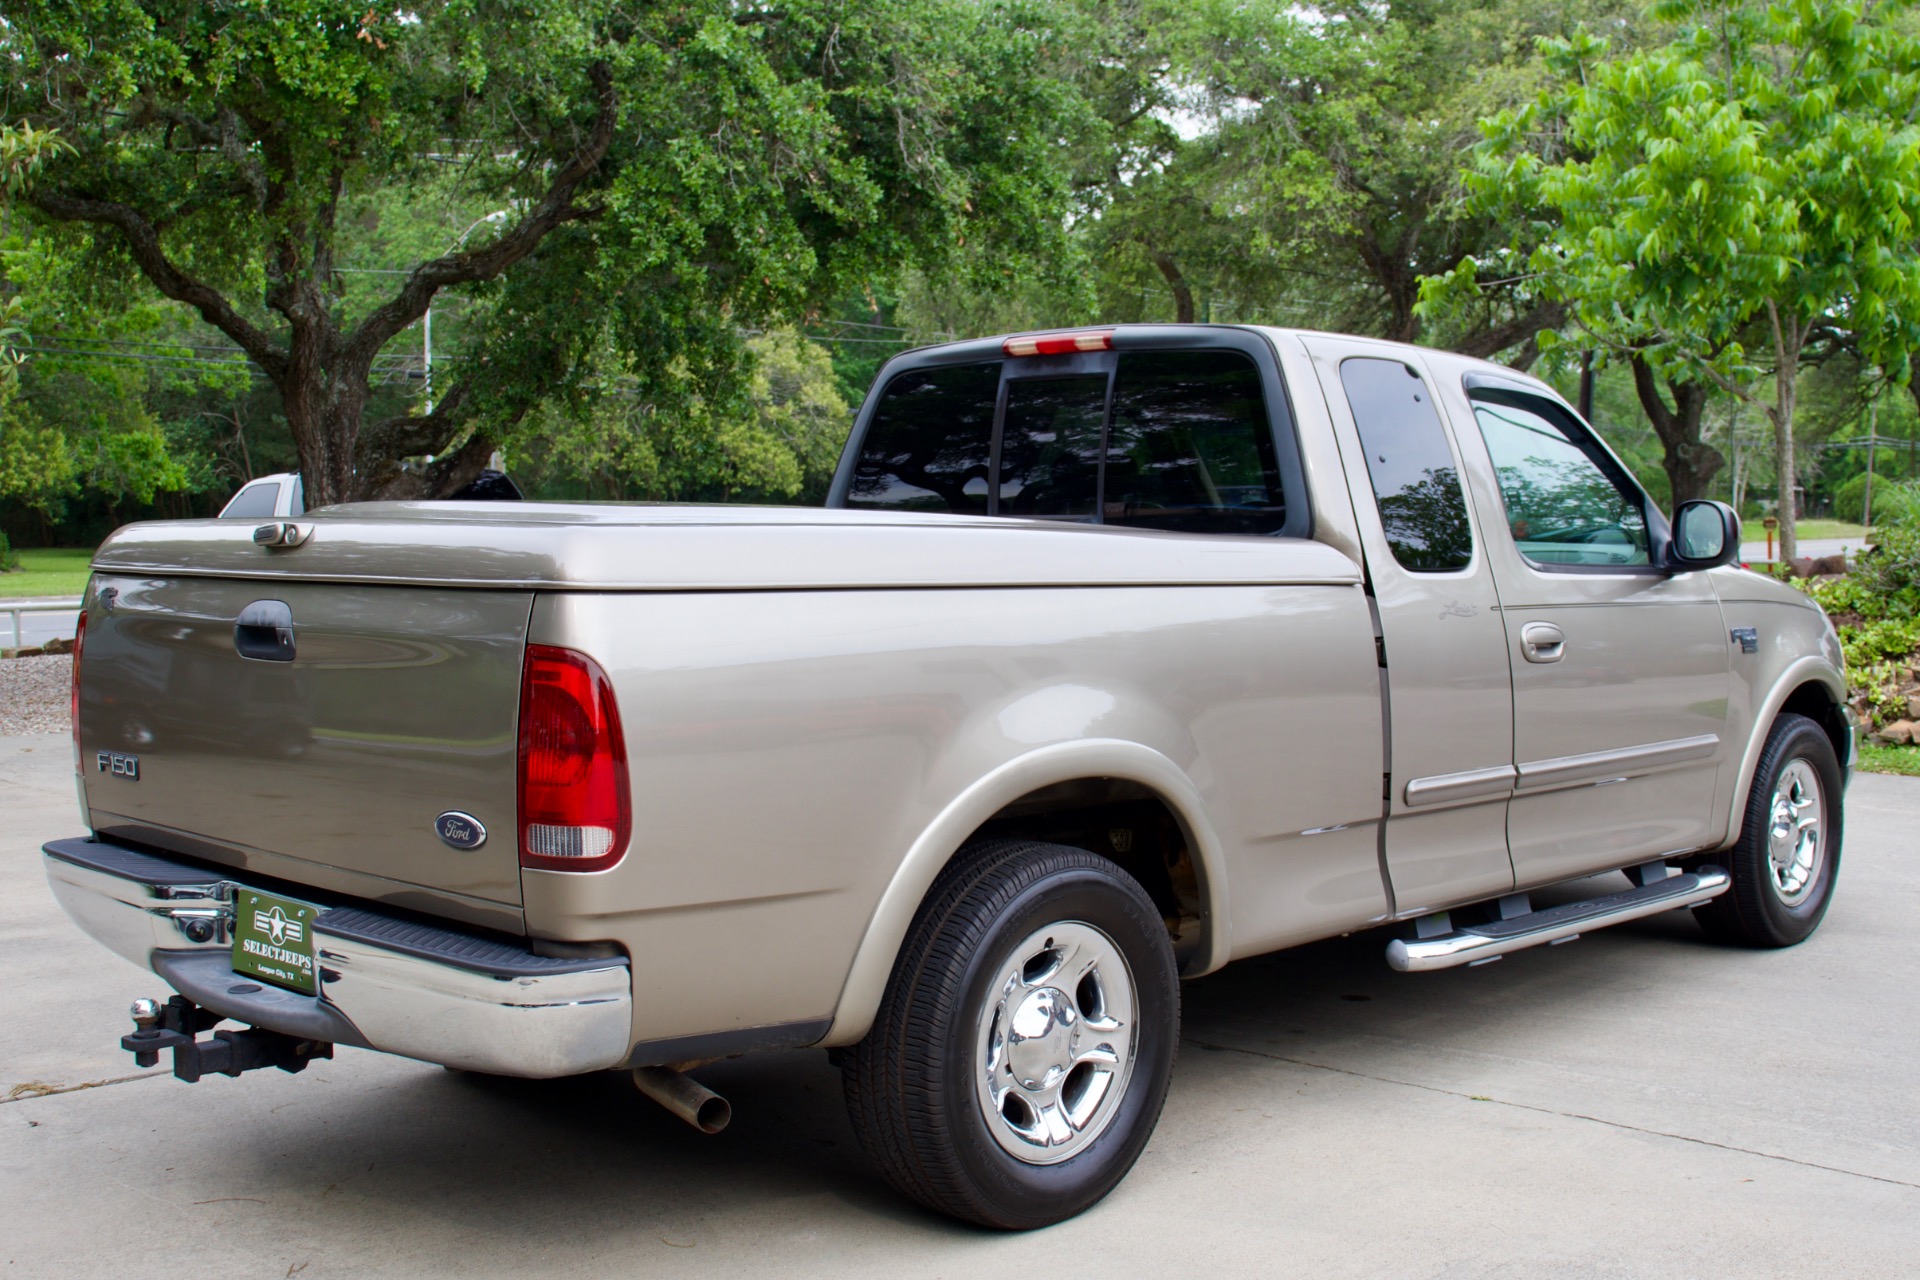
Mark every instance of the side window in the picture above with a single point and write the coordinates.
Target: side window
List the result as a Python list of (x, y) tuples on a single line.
[(1190, 446), (1566, 503), (930, 443), (1414, 478), (1050, 446), (252, 502)]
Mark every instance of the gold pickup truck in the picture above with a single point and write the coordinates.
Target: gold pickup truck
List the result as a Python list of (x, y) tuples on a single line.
[(1116, 655)]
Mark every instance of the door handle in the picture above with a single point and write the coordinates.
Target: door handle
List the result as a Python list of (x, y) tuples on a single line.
[(1543, 642)]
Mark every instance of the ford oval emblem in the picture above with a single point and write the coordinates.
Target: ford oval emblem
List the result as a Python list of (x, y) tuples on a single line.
[(461, 830)]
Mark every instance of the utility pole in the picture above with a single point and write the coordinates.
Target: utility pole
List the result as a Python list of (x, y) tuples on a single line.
[(1873, 433), (426, 329)]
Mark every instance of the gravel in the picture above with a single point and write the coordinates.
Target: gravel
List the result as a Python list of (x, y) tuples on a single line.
[(34, 694)]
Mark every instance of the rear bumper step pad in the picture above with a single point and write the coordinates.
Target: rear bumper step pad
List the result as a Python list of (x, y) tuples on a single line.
[(1472, 944)]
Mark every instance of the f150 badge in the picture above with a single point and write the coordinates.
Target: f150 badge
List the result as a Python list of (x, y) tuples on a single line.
[(118, 765), (461, 830)]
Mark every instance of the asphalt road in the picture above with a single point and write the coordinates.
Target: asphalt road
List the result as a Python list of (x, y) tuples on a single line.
[(36, 628), (1640, 1103), (1756, 552)]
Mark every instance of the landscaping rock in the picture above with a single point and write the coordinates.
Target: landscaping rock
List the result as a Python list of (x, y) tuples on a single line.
[(1913, 707), (1900, 731), (57, 645)]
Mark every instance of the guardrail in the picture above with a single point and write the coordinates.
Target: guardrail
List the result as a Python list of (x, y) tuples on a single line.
[(13, 612)]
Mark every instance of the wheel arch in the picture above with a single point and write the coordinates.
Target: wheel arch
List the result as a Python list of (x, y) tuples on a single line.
[(990, 796), (1810, 687)]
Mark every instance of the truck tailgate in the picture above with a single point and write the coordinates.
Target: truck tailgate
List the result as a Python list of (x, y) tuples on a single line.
[(325, 761)]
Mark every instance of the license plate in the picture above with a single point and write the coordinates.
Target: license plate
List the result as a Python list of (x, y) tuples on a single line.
[(273, 940)]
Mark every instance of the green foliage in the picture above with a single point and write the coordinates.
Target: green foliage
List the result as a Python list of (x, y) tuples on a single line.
[(45, 571), (1321, 182), (782, 449), (1876, 758), (79, 415), (1761, 168), (9, 558), (624, 189)]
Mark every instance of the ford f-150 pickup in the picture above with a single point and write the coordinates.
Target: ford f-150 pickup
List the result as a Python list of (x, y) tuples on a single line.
[(1116, 655)]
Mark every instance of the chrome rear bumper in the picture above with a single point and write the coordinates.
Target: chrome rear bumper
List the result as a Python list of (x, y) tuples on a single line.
[(387, 983)]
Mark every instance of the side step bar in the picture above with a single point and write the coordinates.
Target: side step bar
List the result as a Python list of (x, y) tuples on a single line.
[(1476, 944)]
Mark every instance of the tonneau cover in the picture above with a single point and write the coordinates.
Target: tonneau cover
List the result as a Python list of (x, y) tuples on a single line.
[(694, 548)]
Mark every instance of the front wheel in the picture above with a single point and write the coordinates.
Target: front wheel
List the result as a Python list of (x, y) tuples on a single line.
[(1784, 865), (1023, 1048)]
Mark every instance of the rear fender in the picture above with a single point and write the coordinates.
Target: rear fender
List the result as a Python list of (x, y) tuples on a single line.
[(1062, 762)]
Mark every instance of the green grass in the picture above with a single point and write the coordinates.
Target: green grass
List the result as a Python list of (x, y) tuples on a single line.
[(1876, 758), (56, 571), (1754, 531)]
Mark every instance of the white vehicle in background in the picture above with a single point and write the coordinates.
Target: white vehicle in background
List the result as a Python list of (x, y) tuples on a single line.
[(281, 494)]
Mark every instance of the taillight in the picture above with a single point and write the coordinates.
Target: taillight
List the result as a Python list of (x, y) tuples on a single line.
[(1059, 344), (79, 641), (575, 809)]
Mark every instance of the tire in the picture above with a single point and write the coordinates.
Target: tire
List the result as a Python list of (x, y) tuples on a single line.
[(1784, 864), (986, 1091)]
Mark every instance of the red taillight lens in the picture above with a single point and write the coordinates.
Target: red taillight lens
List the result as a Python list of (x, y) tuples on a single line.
[(576, 812), (79, 642), (1059, 344)]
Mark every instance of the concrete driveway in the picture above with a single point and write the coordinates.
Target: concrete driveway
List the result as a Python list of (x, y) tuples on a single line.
[(1638, 1103)]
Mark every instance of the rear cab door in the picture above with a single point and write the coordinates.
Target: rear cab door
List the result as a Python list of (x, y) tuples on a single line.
[(1443, 648)]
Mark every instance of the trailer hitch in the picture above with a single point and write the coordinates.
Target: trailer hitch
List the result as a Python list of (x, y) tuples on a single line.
[(177, 1024)]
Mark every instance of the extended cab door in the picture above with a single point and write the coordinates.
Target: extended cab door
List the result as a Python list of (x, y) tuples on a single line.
[(1620, 669), (1448, 691)]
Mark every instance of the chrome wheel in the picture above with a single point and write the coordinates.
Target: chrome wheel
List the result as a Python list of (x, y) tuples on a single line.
[(1056, 1043), (1796, 832)]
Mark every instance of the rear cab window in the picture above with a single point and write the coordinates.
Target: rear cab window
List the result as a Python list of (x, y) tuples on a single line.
[(1192, 440), (1416, 482)]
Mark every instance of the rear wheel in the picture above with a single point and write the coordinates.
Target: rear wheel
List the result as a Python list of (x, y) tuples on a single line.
[(1022, 1051), (1784, 865)]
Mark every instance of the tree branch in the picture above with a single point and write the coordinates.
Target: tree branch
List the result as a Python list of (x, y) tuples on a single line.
[(411, 435), (1494, 339), (460, 267), (143, 241)]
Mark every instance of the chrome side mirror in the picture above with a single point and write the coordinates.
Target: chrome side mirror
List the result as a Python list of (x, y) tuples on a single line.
[(1705, 536)]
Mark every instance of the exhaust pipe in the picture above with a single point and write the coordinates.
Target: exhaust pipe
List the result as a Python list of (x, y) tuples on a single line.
[(686, 1097)]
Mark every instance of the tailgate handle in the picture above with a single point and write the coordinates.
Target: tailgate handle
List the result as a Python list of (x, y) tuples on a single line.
[(264, 631)]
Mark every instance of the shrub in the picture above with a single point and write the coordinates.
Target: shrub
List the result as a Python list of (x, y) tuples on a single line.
[(9, 558)]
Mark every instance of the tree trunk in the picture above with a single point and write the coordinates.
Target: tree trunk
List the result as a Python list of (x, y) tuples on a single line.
[(1690, 463), (1788, 337), (1182, 291)]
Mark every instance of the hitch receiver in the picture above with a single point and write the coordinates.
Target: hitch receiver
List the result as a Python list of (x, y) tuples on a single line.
[(176, 1025)]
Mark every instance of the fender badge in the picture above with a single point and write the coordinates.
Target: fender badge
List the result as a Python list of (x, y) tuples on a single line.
[(461, 830)]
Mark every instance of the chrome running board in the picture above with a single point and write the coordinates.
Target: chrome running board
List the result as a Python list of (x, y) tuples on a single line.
[(1479, 943)]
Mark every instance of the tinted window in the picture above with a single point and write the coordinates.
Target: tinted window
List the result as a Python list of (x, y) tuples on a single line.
[(252, 502), (1565, 502), (930, 442), (1190, 446), (1050, 446), (1414, 478)]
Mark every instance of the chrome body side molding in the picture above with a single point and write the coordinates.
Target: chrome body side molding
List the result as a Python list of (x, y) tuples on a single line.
[(1620, 761), (1471, 784)]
